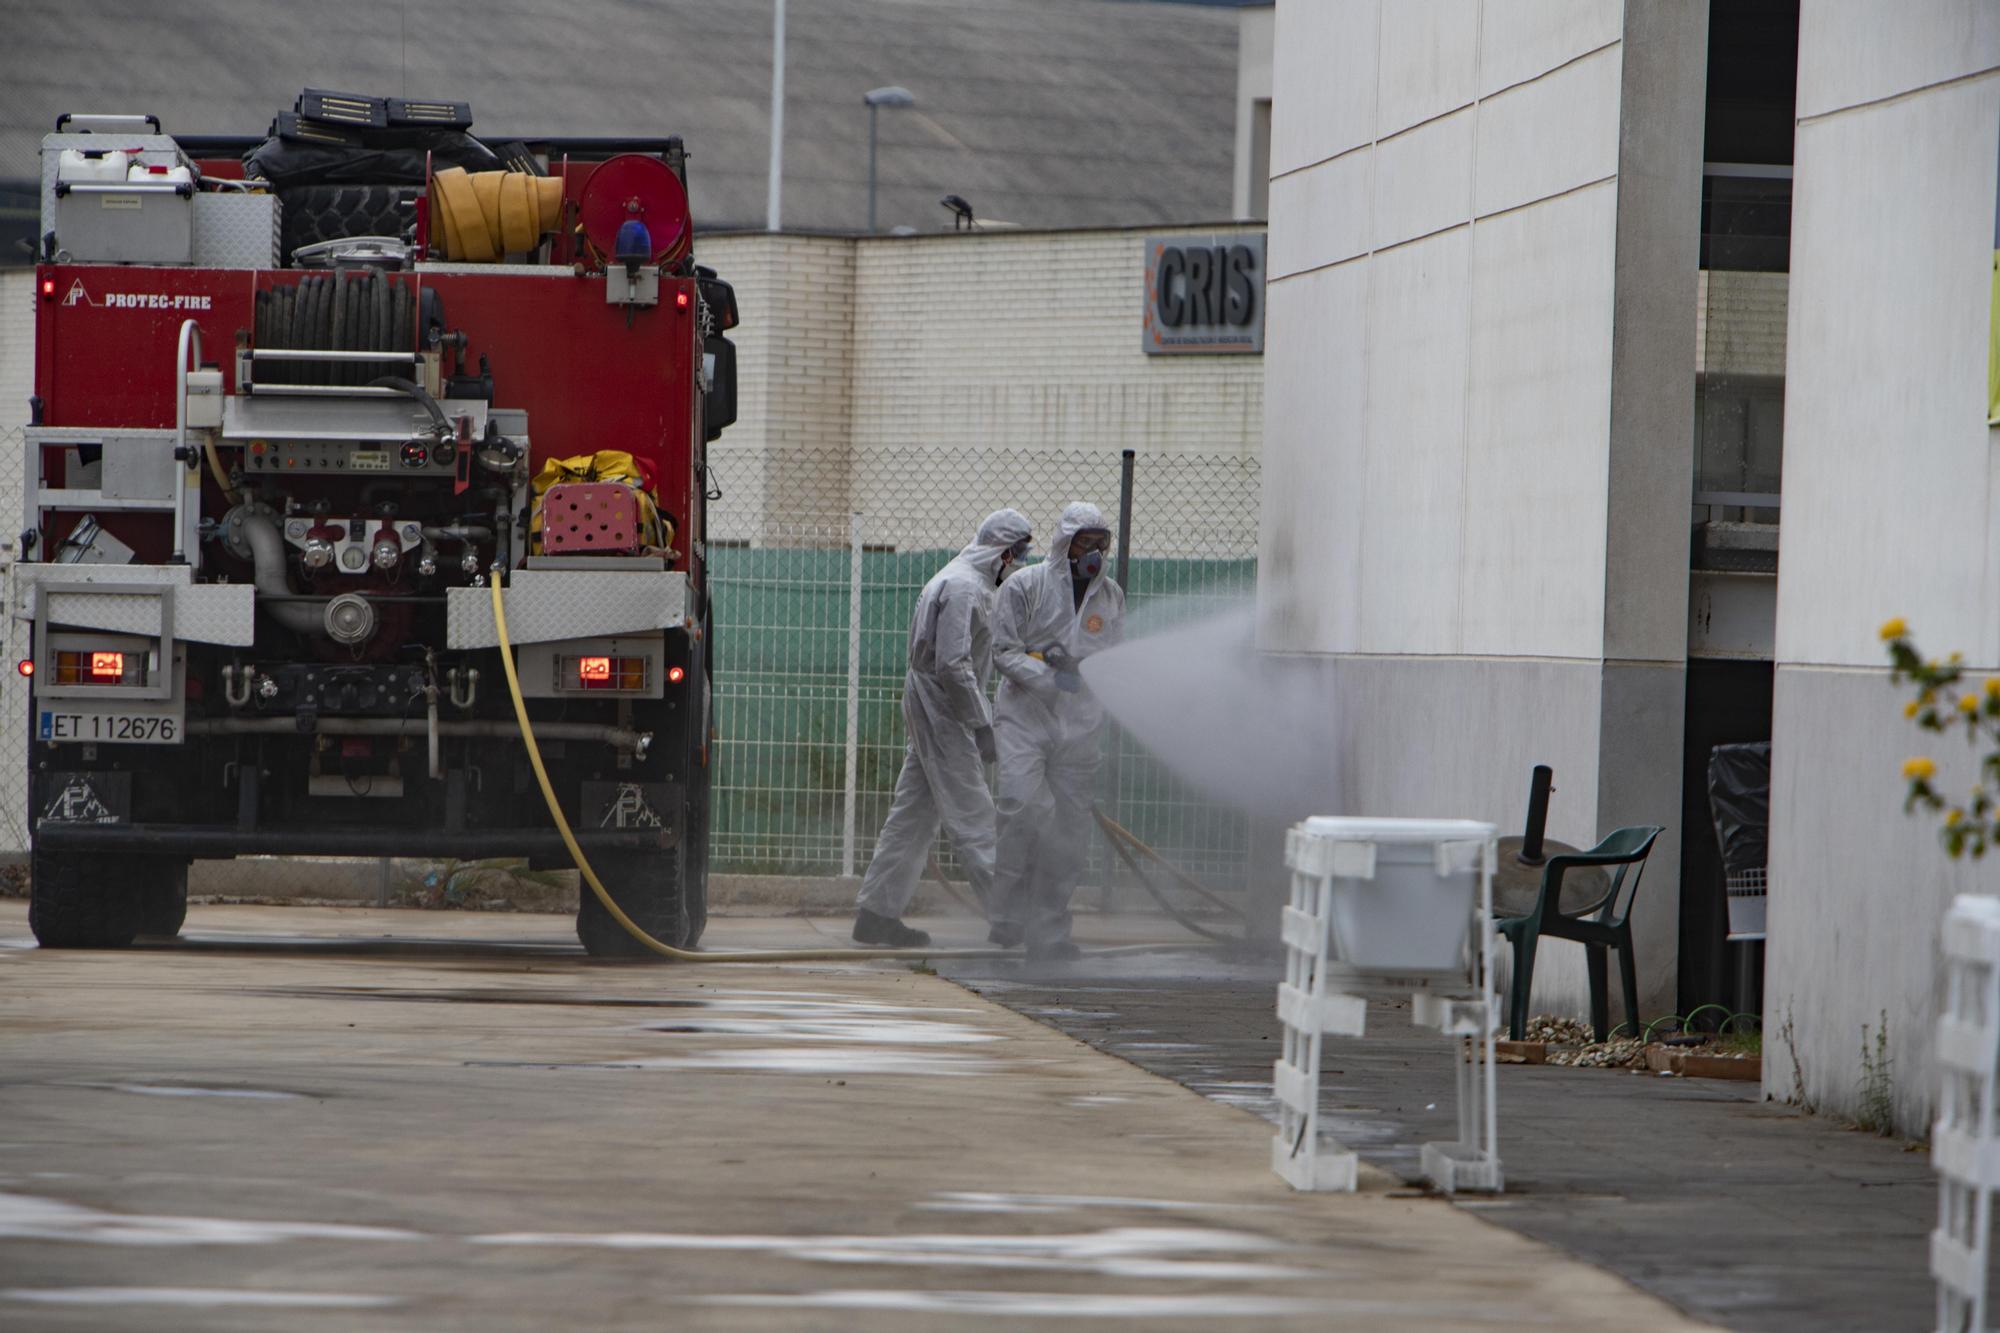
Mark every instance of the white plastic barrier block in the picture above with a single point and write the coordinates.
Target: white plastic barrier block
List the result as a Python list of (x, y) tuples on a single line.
[(1387, 904), (1452, 1016), (1965, 1148), (1329, 1015), (1321, 1169)]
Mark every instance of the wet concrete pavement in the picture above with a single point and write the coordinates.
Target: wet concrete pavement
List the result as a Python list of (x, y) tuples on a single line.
[(350, 1119), (1741, 1211)]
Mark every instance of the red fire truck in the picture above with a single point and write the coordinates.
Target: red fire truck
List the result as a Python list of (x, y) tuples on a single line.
[(299, 400)]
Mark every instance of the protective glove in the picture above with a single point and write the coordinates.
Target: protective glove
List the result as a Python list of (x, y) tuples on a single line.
[(1068, 669), (988, 752)]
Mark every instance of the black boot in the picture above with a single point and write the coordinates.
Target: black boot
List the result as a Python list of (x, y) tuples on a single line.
[(1062, 951), (872, 928), (1005, 935)]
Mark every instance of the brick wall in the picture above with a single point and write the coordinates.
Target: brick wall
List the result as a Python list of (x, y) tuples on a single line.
[(981, 342)]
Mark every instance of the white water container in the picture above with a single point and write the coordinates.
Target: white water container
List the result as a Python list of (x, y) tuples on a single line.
[(1402, 890), (141, 173), (79, 166)]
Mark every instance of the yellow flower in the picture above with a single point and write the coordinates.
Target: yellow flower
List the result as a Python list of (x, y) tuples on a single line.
[(1919, 768), (1910, 708), (1894, 629), (1968, 703), (1993, 686), (1955, 659), (1951, 818)]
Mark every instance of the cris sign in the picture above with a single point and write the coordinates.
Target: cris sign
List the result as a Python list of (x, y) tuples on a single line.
[(1204, 294)]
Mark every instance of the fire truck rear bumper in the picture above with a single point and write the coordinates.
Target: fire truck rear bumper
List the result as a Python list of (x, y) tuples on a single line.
[(211, 842)]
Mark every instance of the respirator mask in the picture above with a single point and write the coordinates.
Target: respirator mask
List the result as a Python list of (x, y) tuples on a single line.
[(1086, 553)]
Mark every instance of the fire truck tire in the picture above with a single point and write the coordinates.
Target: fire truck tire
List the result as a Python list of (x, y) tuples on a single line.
[(648, 888), (696, 861), (81, 901), (314, 213), (163, 896)]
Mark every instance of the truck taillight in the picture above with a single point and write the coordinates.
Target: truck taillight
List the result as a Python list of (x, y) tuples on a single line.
[(80, 666), (610, 673), (676, 674)]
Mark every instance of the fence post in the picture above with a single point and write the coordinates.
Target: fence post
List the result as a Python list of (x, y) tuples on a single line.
[(851, 780)]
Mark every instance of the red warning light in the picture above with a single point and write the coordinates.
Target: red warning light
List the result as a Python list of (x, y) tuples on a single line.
[(681, 300), (26, 666), (48, 288), (675, 675), (593, 669), (107, 666)]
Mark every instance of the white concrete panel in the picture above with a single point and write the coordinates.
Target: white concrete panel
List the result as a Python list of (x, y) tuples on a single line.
[(1523, 39), (1414, 470), (1533, 564), (1458, 738), (1313, 441), (1423, 179), (1888, 460), (1858, 890), (1551, 135), (1855, 51), (1325, 61), (1429, 61), (1320, 216)]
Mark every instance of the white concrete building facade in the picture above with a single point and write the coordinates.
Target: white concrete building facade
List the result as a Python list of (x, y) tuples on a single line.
[(1890, 480), (1486, 433), (1479, 402)]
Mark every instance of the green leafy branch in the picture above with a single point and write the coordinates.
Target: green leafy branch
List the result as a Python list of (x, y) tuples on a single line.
[(1945, 701)]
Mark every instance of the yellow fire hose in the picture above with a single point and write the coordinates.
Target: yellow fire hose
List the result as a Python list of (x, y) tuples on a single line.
[(630, 926)]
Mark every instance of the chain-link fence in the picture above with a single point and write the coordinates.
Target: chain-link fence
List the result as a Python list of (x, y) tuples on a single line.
[(816, 559), (13, 645)]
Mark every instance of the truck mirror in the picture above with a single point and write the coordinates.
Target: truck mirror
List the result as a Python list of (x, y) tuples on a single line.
[(718, 400)]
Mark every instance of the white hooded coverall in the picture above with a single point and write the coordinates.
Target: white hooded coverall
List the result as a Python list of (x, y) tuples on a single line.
[(944, 703), (1047, 737)]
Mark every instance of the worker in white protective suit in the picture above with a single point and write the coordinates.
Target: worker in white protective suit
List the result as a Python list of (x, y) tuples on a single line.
[(950, 735), (1048, 726)]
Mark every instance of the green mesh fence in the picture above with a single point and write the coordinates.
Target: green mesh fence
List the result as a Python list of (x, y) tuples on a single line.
[(811, 624)]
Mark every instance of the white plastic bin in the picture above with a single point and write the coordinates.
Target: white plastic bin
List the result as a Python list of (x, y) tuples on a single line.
[(158, 173), (93, 166), (1401, 890)]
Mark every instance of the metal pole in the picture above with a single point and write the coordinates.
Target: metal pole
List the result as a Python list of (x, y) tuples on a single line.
[(1124, 514), (1112, 872), (852, 780), (872, 109), (771, 210)]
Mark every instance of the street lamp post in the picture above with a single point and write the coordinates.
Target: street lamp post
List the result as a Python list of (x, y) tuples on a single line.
[(876, 100)]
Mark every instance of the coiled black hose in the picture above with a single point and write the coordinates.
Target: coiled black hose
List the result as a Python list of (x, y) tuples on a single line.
[(358, 310)]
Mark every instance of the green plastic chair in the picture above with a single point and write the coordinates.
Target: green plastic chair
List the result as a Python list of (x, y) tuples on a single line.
[(1603, 923)]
